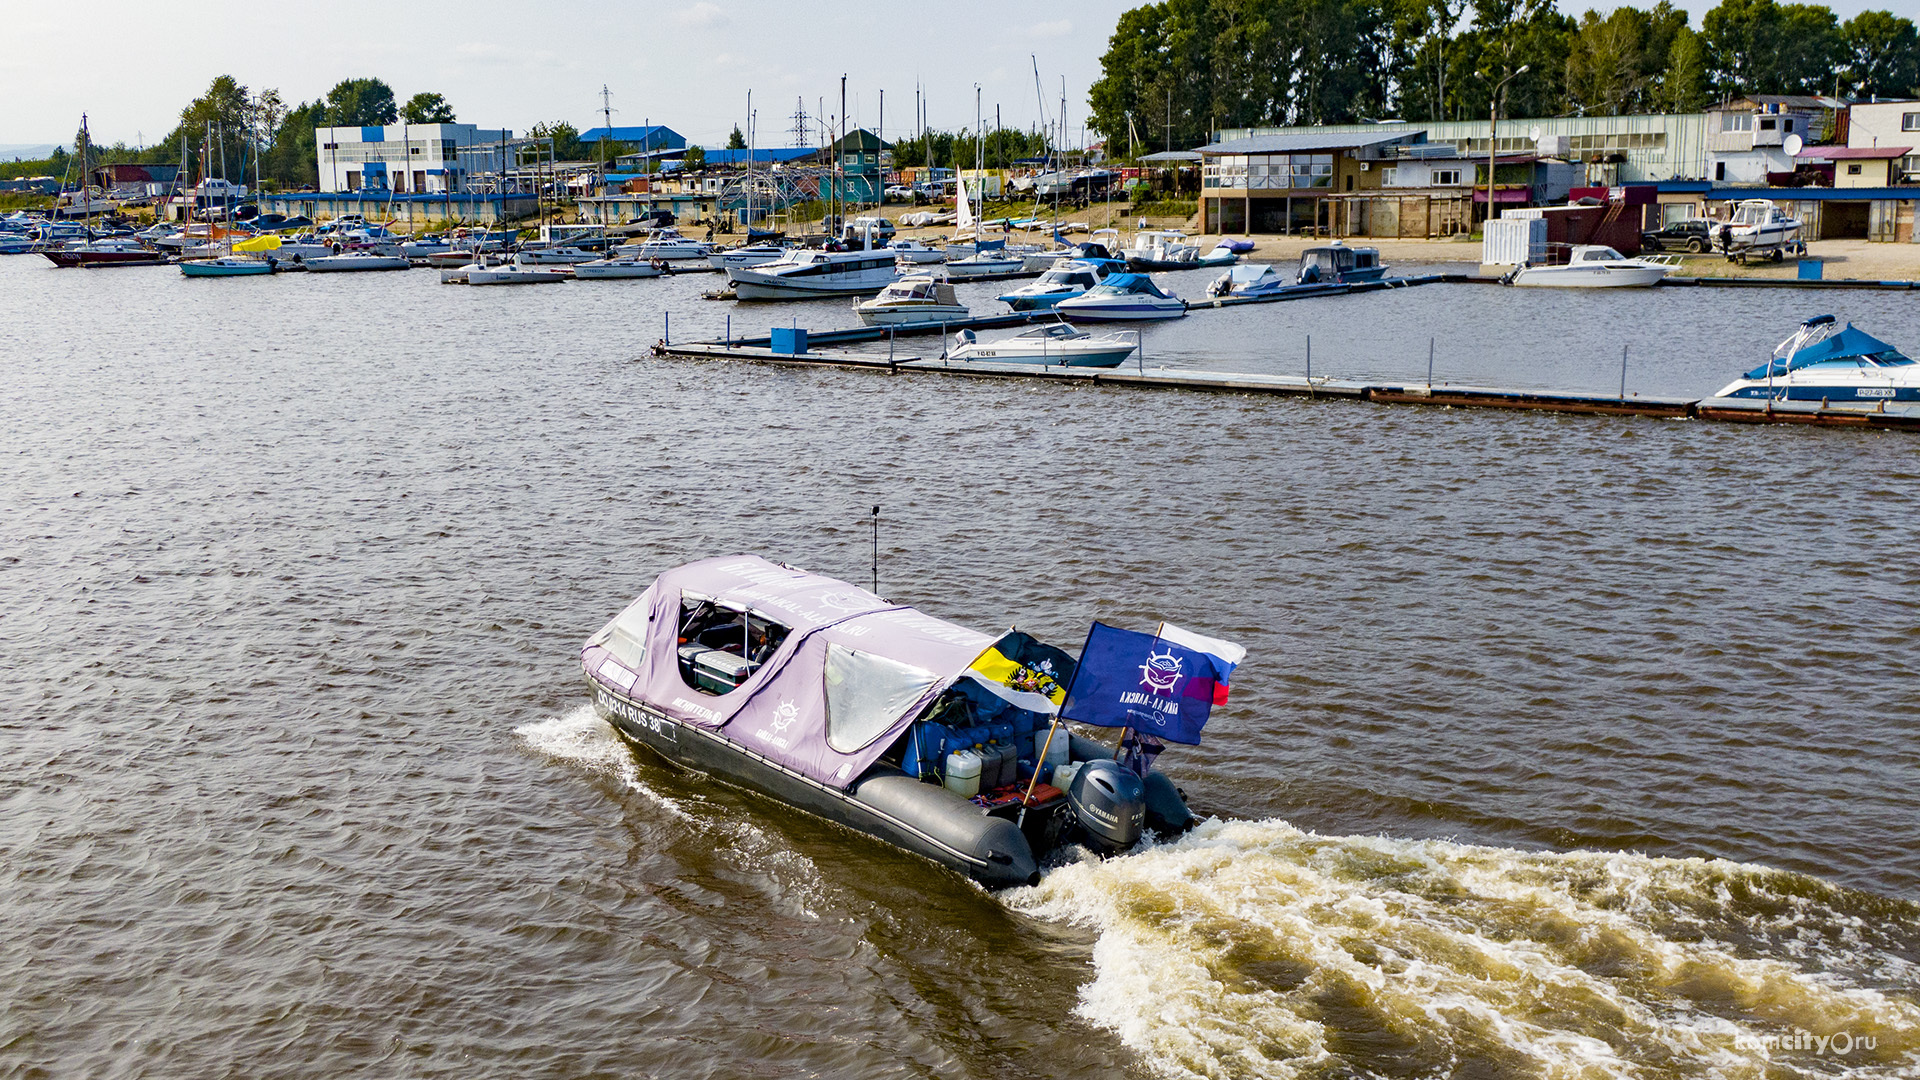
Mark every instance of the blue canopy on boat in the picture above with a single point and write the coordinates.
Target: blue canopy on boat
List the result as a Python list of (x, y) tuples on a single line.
[(1848, 343)]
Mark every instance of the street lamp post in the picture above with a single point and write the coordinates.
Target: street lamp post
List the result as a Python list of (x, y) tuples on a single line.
[(1493, 131)]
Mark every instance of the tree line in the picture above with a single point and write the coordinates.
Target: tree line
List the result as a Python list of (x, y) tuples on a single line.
[(233, 124), (1178, 70)]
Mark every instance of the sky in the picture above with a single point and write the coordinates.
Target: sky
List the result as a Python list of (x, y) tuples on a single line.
[(685, 63)]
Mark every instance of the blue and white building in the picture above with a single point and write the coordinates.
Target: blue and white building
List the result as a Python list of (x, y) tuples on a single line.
[(409, 159)]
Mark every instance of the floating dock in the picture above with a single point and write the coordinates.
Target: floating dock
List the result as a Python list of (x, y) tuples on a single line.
[(1732, 410)]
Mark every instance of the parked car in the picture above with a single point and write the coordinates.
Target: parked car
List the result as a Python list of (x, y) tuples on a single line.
[(899, 193), (1694, 234)]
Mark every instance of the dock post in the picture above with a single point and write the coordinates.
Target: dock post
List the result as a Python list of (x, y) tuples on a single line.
[(668, 338), (1623, 372), (1309, 367), (729, 329), (1429, 364), (891, 330)]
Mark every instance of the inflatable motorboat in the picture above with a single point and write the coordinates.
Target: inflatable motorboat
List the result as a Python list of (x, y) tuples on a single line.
[(927, 735)]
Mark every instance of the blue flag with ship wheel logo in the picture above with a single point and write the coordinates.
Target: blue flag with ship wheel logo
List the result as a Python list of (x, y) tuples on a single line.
[(1164, 684)]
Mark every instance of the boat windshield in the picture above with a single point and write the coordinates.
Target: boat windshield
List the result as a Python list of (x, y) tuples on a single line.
[(1600, 254), (1821, 344)]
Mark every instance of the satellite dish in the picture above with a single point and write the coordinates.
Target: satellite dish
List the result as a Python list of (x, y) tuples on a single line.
[(1535, 133), (1792, 144)]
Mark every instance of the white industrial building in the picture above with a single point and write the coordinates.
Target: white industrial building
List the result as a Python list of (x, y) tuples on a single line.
[(409, 159)]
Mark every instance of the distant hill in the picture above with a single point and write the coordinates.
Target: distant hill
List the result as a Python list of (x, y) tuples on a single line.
[(26, 151)]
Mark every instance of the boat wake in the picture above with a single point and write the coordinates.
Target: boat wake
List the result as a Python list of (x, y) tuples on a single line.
[(1255, 949), (581, 739)]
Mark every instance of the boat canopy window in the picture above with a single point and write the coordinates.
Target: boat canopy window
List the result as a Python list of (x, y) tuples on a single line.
[(866, 693), (722, 643), (626, 636), (1605, 254)]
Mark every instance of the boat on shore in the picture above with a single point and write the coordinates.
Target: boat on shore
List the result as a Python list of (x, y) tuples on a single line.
[(1592, 266), (1825, 361), (1757, 223), (1051, 344), (837, 703)]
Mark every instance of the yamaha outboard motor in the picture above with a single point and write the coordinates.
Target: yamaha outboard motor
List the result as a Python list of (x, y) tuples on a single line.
[(1109, 803)]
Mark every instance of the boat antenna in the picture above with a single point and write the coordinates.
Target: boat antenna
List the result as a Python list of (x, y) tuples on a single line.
[(876, 551)]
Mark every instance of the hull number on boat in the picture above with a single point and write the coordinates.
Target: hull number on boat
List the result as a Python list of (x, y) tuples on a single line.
[(626, 710), (1875, 391)]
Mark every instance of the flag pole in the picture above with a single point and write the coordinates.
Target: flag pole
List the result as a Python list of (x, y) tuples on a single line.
[(1040, 762)]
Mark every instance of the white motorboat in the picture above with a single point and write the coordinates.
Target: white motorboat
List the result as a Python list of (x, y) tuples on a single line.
[(229, 266), (1824, 361), (1756, 223), (751, 255), (619, 266), (357, 261), (1162, 249), (915, 300), (1592, 266), (810, 273), (666, 243), (564, 255), (1067, 279), (1053, 343), (1251, 279), (989, 259), (518, 273), (915, 252), (1130, 297)]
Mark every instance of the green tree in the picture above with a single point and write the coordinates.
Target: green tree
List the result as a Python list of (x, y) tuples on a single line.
[(1615, 62), (736, 141), (1762, 47), (225, 111), (566, 140), (427, 107), (1881, 56), (695, 160), (360, 103), (292, 161), (1684, 87)]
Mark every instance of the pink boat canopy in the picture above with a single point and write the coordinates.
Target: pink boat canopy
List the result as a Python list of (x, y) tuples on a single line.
[(850, 674)]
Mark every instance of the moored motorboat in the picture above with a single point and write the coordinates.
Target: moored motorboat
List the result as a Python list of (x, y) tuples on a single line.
[(1336, 263), (1825, 361), (1064, 281), (750, 255), (989, 259), (229, 266), (926, 735), (352, 261), (810, 272), (619, 266), (915, 252), (665, 243), (1251, 280), (518, 272), (1130, 297), (1592, 266), (101, 253), (1053, 343), (915, 300)]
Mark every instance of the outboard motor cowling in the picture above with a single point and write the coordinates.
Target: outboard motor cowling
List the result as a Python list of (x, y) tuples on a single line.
[(1109, 803)]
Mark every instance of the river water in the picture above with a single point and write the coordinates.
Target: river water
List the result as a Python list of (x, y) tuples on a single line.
[(1565, 747)]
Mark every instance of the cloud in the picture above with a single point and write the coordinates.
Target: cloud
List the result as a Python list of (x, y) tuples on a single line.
[(1056, 28), (703, 15)]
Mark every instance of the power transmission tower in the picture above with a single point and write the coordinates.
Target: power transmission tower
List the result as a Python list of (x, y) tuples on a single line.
[(799, 128)]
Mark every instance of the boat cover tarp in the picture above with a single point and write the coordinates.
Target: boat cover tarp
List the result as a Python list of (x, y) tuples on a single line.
[(1848, 342), (852, 674)]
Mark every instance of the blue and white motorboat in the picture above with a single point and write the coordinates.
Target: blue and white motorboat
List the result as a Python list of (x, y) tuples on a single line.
[(1250, 279), (1064, 281), (1338, 263), (1825, 361), (1050, 344), (1129, 297)]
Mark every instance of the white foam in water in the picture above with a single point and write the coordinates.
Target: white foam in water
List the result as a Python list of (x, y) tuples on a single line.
[(1254, 949), (583, 739)]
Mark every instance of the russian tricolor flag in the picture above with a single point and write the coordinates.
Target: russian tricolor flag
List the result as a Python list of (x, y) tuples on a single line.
[(1163, 684)]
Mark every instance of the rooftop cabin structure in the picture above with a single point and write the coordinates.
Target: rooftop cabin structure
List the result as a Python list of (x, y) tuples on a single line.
[(861, 175), (1753, 138), (417, 159), (1365, 183), (646, 139)]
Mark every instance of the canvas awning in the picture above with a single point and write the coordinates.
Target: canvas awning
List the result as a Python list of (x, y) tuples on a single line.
[(853, 672)]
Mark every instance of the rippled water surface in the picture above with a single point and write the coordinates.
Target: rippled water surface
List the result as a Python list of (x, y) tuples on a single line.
[(1566, 746)]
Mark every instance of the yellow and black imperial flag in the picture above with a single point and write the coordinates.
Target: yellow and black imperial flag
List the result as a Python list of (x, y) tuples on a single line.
[(1024, 672)]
